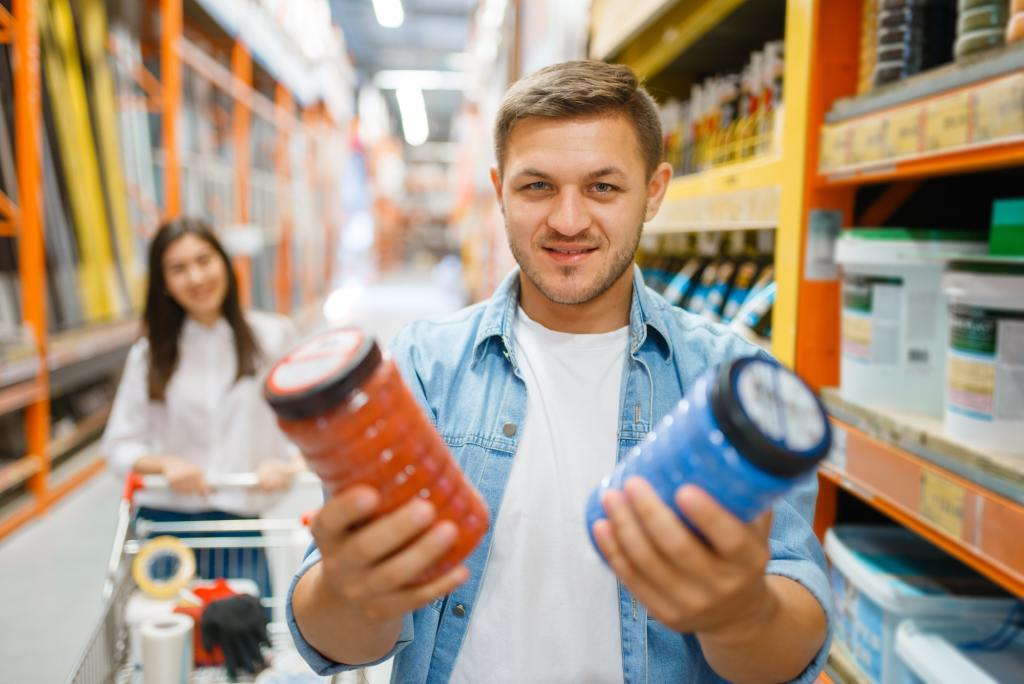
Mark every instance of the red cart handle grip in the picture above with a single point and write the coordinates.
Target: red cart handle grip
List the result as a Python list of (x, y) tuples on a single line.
[(132, 483)]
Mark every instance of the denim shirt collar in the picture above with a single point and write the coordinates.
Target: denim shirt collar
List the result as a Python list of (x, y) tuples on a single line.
[(500, 311)]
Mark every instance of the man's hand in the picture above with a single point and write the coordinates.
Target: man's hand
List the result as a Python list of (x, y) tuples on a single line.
[(713, 586), (373, 566), (349, 606), (184, 477)]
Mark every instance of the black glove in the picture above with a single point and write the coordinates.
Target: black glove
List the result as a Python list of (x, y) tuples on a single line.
[(238, 625)]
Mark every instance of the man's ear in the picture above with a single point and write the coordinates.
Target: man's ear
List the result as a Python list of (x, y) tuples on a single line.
[(656, 189), (496, 182)]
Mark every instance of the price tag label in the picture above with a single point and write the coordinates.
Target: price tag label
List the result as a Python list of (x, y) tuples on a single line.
[(903, 135), (946, 122), (999, 109), (942, 503), (868, 143)]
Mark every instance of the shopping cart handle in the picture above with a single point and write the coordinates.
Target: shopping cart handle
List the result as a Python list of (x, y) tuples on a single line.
[(132, 484)]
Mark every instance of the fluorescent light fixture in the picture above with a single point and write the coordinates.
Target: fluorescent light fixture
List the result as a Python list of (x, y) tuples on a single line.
[(389, 13), (414, 114), (421, 79)]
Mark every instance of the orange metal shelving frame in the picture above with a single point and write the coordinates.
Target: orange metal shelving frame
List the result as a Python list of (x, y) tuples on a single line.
[(23, 216), (977, 526), (889, 478), (979, 157)]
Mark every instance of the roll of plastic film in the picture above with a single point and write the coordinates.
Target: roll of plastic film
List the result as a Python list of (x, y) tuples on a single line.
[(747, 432), (167, 649), (346, 407), (156, 556)]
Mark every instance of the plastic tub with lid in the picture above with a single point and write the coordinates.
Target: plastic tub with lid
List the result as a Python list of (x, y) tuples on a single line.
[(883, 575), (937, 651), (985, 374), (894, 316)]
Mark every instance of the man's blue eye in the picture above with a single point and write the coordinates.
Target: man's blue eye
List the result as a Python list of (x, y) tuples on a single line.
[(603, 187)]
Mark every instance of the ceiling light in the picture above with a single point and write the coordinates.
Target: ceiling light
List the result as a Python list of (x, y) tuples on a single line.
[(414, 114), (422, 79), (389, 13)]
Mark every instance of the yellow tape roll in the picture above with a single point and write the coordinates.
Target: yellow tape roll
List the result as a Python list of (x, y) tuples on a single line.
[(158, 549)]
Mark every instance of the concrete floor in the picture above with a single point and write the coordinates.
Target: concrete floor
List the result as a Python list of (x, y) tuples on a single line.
[(53, 568)]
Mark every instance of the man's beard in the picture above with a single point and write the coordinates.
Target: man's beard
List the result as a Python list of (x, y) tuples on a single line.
[(582, 293)]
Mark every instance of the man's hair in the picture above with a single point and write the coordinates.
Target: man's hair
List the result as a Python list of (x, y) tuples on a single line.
[(581, 89)]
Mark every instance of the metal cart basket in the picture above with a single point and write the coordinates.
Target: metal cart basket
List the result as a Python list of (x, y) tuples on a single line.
[(106, 657)]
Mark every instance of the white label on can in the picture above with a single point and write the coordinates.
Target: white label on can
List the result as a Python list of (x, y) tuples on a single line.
[(781, 406), (872, 311), (316, 360), (986, 364)]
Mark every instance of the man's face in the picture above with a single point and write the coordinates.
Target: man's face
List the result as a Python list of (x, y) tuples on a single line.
[(574, 194)]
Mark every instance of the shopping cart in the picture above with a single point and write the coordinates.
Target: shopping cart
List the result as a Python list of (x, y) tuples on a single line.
[(106, 659)]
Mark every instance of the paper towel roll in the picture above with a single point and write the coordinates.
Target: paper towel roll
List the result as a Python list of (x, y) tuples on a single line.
[(167, 649)]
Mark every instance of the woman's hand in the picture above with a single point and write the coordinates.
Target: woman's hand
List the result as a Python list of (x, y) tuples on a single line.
[(184, 477), (275, 476)]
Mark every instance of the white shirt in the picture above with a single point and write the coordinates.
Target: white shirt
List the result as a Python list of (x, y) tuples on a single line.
[(208, 418), (548, 609)]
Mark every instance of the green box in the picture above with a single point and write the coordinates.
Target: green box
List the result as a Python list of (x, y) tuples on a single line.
[(1007, 235)]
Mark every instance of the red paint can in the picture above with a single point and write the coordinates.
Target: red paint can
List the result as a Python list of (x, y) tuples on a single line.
[(347, 408)]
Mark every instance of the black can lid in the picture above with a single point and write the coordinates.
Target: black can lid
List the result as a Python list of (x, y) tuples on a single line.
[(320, 373), (770, 416)]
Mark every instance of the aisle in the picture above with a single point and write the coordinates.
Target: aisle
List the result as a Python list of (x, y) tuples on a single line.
[(53, 568)]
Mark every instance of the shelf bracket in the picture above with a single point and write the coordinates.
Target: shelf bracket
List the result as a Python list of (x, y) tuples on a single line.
[(6, 25), (9, 216), (888, 203)]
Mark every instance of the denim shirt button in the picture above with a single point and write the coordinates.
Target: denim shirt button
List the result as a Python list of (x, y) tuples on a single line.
[(459, 610), (509, 429)]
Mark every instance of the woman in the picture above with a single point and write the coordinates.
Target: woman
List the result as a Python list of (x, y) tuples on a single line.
[(189, 405)]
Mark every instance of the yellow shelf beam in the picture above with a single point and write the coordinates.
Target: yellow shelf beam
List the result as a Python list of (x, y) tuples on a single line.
[(749, 175), (683, 25), (792, 174)]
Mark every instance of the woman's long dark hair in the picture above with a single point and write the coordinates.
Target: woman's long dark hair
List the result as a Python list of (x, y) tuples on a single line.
[(164, 317)]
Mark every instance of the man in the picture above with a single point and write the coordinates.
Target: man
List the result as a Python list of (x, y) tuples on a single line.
[(538, 392)]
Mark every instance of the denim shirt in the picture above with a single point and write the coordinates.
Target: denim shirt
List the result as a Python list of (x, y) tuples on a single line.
[(464, 371)]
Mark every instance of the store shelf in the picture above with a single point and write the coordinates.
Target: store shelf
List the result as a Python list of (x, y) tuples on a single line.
[(616, 22), (687, 37), (20, 395), (966, 501), (966, 159), (16, 472), (18, 365), (78, 346), (975, 126), (658, 227), (740, 196), (950, 77), (85, 430), (763, 172)]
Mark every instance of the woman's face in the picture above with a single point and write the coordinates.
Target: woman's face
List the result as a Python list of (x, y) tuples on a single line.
[(196, 277)]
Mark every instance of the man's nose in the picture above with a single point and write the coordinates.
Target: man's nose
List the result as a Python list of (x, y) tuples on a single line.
[(569, 216)]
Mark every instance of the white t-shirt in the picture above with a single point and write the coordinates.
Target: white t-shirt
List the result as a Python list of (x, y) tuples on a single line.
[(548, 607), (208, 418)]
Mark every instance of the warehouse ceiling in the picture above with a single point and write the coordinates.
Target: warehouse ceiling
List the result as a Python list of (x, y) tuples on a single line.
[(433, 35)]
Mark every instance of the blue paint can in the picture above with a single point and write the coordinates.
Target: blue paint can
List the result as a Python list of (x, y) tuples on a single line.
[(748, 432)]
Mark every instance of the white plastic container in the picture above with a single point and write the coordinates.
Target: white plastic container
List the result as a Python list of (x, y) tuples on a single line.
[(894, 315), (882, 575), (985, 387), (932, 651)]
